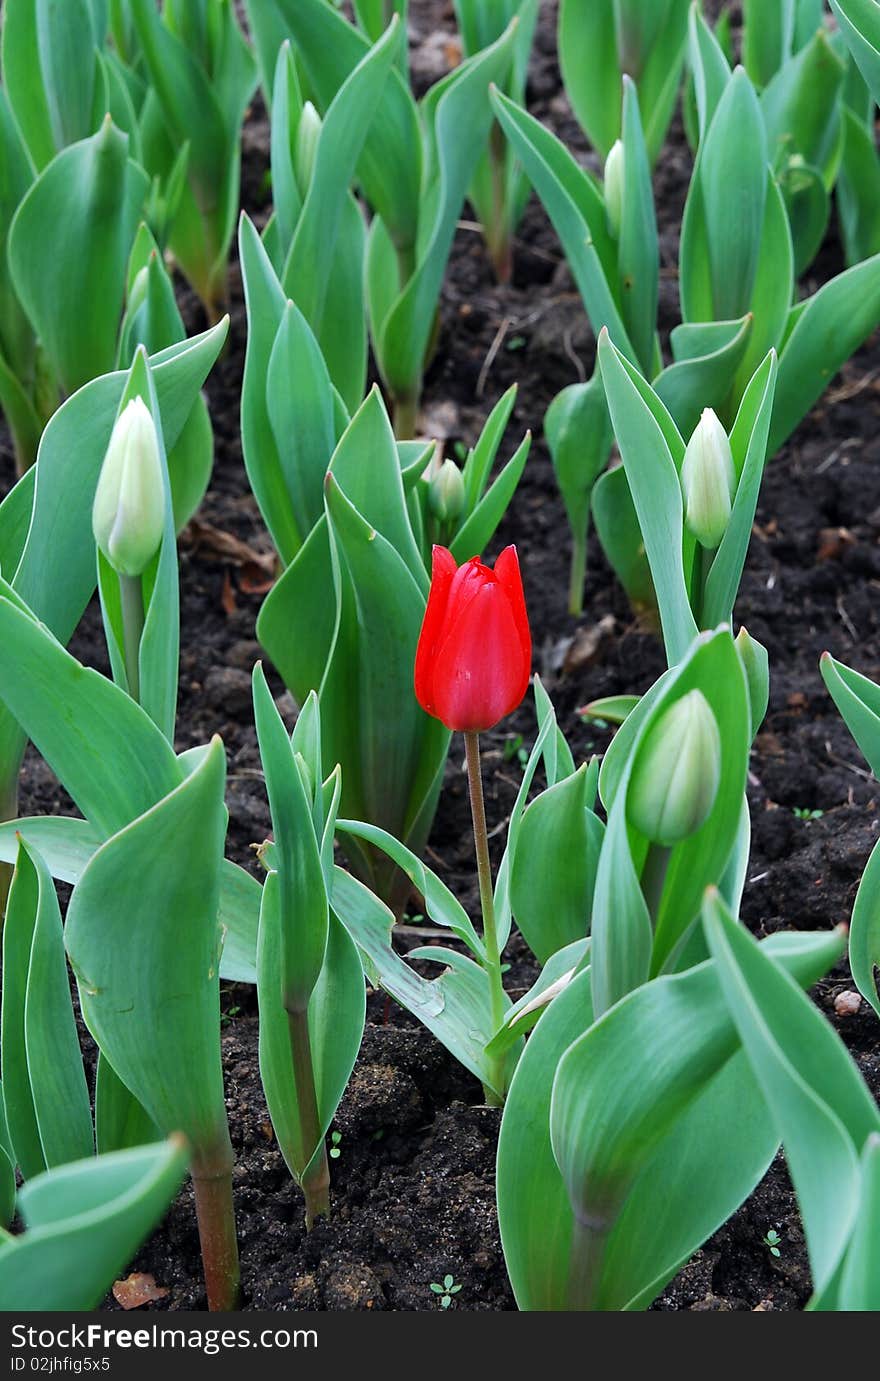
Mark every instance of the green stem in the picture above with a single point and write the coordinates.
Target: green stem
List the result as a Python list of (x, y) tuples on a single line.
[(406, 411), (492, 963), (585, 1259), (707, 556), (212, 1182), (577, 575), (315, 1180), (132, 597), (654, 877), (498, 236)]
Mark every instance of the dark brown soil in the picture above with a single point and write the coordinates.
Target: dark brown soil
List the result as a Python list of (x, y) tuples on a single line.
[(414, 1181)]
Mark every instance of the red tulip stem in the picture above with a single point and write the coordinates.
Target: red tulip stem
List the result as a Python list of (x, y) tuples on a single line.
[(492, 963)]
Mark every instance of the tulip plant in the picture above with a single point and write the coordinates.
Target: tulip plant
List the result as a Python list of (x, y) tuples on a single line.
[(363, 531), (201, 76), (736, 269), (310, 982), (84, 1222), (415, 167), (152, 806), (601, 41), (499, 191), (610, 1172), (676, 518), (662, 1056)]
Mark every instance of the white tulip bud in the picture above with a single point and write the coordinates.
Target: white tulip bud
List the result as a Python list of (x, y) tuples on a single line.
[(675, 777), (708, 481), (128, 516), (614, 166), (446, 493), (306, 146)]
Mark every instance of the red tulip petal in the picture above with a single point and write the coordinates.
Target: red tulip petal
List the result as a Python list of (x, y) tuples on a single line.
[(509, 577), (480, 673), (443, 571)]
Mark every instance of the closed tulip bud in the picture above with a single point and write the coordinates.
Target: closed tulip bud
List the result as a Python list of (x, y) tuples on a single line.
[(306, 146), (756, 666), (675, 777), (128, 516), (614, 165), (475, 651), (708, 481), (446, 493)]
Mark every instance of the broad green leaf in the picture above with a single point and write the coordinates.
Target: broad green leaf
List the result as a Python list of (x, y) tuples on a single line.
[(266, 463), (18, 1099), (7, 1186), (64, 842), (707, 357), (589, 60), (120, 1121), (84, 1224), (204, 108), (166, 1051), (68, 247), (801, 108), (50, 73), (480, 526), (624, 951), (462, 119), (858, 700), (617, 526), (731, 175), (298, 631), (390, 165), (51, 1043), (710, 68), (578, 433), (56, 573), (638, 253), (774, 286), (821, 1108), (67, 844), (336, 1011), (860, 25), (300, 916), (454, 1007), (768, 34), (477, 467), (858, 191), (389, 726), (554, 867), (860, 1281), (662, 1150), (575, 205), (652, 451), (554, 978), (112, 759), (749, 447), (829, 328), (599, 40), (312, 261)]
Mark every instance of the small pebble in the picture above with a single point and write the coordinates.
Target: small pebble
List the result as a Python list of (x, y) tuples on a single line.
[(847, 1004)]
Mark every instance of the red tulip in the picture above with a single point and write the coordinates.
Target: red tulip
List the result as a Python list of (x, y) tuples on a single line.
[(475, 649)]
